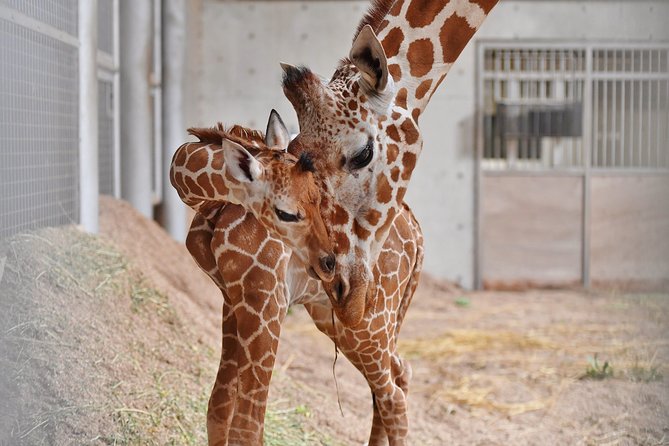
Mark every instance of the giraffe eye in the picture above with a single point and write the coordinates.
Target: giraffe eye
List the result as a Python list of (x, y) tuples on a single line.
[(364, 157), (287, 217)]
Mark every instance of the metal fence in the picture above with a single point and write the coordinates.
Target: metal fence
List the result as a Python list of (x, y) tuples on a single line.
[(42, 161), (574, 106), (39, 114)]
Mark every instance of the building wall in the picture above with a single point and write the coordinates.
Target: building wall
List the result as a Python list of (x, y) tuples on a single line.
[(234, 76)]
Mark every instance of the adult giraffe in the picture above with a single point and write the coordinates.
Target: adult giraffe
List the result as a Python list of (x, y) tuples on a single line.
[(361, 127), (361, 130)]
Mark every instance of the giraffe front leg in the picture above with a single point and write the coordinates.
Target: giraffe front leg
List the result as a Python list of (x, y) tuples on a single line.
[(370, 352), (259, 323), (224, 393), (401, 372)]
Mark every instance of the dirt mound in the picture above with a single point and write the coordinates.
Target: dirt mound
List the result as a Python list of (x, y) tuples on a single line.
[(90, 348), (166, 263), (111, 339)]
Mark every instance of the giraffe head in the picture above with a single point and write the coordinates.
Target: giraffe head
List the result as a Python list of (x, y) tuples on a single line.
[(280, 190), (364, 143)]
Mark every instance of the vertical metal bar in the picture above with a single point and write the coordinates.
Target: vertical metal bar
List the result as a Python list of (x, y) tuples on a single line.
[(88, 119), (614, 123), (666, 123), (497, 150), (156, 92), (587, 142), (116, 85), (605, 127), (649, 116), (595, 123), (658, 113), (478, 217), (640, 117), (622, 146)]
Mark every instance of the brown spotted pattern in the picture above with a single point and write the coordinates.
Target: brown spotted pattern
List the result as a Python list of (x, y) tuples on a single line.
[(372, 229), (251, 265), (421, 39)]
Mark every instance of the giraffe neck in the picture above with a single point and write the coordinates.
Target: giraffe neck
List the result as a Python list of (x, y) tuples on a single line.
[(198, 175), (422, 39)]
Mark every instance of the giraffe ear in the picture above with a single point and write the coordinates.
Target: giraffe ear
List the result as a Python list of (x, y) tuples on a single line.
[(277, 134), (240, 164), (368, 55)]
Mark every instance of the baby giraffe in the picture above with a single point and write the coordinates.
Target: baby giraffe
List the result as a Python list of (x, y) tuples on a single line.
[(237, 166)]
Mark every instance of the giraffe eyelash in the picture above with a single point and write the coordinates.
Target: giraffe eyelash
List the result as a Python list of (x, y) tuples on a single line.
[(286, 216), (364, 157)]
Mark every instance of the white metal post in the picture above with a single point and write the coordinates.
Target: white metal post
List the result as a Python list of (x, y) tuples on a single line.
[(173, 66), (117, 100), (136, 117), (88, 115)]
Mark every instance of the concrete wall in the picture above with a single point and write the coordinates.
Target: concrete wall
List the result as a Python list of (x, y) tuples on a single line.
[(235, 49)]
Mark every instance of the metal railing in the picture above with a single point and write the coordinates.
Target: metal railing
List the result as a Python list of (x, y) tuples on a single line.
[(573, 106)]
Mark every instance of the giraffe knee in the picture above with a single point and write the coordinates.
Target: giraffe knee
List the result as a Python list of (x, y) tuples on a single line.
[(402, 373), (404, 377)]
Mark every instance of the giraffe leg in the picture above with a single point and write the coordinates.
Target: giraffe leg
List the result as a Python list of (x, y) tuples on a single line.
[(252, 266), (258, 344), (224, 393), (367, 350)]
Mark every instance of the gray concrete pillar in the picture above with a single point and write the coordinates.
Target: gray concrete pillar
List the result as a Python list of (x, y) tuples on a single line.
[(136, 118), (173, 212)]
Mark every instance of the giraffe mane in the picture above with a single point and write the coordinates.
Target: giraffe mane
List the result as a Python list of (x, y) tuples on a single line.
[(375, 15), (253, 140)]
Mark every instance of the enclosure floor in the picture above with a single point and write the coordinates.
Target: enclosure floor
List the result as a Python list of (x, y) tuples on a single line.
[(115, 340), (506, 369)]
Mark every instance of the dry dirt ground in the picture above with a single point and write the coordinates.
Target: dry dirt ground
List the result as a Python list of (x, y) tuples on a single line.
[(114, 340)]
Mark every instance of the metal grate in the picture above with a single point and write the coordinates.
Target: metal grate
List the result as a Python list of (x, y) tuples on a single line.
[(39, 125), (630, 111), (106, 137), (61, 14), (533, 101), (536, 114)]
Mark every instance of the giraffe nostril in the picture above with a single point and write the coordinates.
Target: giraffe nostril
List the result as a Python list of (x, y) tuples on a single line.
[(328, 263), (339, 289)]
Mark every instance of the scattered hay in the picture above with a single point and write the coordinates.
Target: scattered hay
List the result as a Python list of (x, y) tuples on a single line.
[(458, 342), (550, 359), (92, 353)]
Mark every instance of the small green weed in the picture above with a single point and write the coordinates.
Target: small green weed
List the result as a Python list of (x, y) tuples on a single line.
[(463, 302), (597, 371)]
